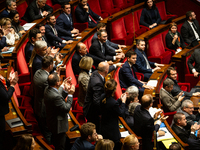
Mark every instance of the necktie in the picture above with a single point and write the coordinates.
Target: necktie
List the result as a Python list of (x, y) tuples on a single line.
[(147, 62), (3, 82), (132, 72), (195, 28), (103, 49)]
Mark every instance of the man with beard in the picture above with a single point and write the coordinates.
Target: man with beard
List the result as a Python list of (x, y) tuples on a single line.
[(41, 27)]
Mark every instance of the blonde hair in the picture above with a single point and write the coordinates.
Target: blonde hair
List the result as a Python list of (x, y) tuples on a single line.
[(129, 141), (3, 21), (86, 63), (105, 144)]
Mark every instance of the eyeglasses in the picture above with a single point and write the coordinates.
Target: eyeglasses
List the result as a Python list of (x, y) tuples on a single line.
[(190, 107)]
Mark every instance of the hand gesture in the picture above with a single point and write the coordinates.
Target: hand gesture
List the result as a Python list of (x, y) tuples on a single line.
[(69, 42), (148, 87), (157, 68), (52, 51), (196, 74), (119, 64), (123, 98), (99, 137), (157, 114), (163, 118), (5, 49), (13, 78), (58, 58), (110, 62), (175, 36), (86, 8), (161, 133)]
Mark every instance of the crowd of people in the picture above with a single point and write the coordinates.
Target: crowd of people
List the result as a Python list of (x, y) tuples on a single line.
[(53, 98)]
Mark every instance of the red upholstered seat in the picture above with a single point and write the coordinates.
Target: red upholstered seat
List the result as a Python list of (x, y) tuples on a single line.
[(119, 34), (21, 8), (164, 42), (55, 7), (122, 4), (179, 27), (108, 6), (171, 116), (118, 92), (162, 11), (156, 51), (88, 42), (94, 4)]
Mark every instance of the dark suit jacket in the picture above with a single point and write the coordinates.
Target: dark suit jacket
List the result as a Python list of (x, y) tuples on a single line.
[(4, 14), (186, 137), (28, 51), (2, 43), (32, 12), (40, 83), (57, 109), (81, 144), (95, 93), (141, 65), (146, 18), (37, 63), (109, 120), (63, 22), (195, 57), (52, 38), (110, 45), (169, 39), (4, 98), (95, 49), (126, 78), (82, 15), (187, 32), (144, 125)]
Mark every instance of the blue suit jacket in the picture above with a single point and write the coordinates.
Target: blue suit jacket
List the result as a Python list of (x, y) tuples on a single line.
[(126, 78), (28, 51), (81, 144), (141, 65), (4, 14), (2, 43), (64, 23), (37, 63)]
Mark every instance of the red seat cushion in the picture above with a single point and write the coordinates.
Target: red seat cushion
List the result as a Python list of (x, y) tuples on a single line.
[(21, 8), (118, 92), (107, 5)]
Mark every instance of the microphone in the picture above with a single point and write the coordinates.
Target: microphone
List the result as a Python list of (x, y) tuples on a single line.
[(5, 66)]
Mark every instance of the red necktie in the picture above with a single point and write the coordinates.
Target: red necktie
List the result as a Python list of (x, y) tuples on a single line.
[(133, 72)]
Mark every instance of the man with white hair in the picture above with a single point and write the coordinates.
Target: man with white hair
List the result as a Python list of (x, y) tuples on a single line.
[(10, 5), (36, 10)]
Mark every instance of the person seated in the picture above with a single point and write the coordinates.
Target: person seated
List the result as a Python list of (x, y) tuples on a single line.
[(26, 141), (142, 64), (14, 16), (111, 45), (127, 76), (11, 35), (3, 44), (53, 33), (64, 21), (185, 132), (81, 51), (84, 14), (187, 109), (37, 9), (194, 58), (105, 144), (131, 143), (172, 74), (41, 27), (34, 35), (174, 39), (88, 135), (190, 30), (150, 16), (175, 146), (171, 103), (10, 5), (101, 50), (84, 77)]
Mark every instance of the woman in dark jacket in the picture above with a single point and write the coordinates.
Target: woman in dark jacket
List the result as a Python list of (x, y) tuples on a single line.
[(111, 109), (150, 16), (174, 39)]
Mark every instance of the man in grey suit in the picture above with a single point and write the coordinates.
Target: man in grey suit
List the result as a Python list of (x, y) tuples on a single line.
[(57, 108), (40, 83)]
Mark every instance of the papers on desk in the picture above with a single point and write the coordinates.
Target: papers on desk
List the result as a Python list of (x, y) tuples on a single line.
[(27, 26), (152, 111), (167, 135), (10, 50), (124, 134), (178, 50), (152, 83)]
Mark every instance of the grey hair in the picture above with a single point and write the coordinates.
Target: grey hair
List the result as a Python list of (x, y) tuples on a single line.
[(40, 44), (185, 103), (40, 0), (8, 2), (132, 90), (168, 82)]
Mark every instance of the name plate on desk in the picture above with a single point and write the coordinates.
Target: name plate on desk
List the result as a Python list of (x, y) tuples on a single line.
[(16, 122)]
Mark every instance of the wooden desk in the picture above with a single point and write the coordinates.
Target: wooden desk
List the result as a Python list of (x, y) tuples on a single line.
[(41, 144), (196, 100)]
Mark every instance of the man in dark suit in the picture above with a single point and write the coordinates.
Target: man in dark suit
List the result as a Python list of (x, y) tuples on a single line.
[(190, 30), (84, 14), (101, 50), (41, 27), (127, 76), (64, 21), (37, 10), (194, 58), (88, 135), (172, 74), (10, 5), (57, 108), (185, 132), (34, 35), (6, 94), (144, 124), (81, 51), (142, 64), (40, 83), (53, 33), (95, 93)]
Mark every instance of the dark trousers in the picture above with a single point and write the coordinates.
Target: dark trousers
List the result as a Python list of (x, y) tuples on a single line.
[(59, 141), (2, 130), (96, 120), (147, 76)]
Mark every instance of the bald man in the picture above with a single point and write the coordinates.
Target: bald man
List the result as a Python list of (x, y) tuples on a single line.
[(144, 124), (95, 93)]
